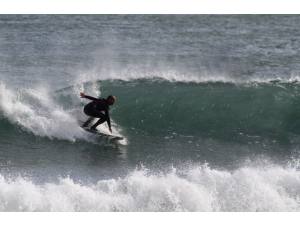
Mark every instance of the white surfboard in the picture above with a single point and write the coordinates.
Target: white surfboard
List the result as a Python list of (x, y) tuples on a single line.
[(108, 136)]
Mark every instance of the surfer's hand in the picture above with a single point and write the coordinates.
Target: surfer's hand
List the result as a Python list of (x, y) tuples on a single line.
[(82, 95), (110, 130)]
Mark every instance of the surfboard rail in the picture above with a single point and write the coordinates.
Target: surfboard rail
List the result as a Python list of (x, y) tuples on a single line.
[(109, 136)]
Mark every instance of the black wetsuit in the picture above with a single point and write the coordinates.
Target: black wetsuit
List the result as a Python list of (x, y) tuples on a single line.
[(98, 108)]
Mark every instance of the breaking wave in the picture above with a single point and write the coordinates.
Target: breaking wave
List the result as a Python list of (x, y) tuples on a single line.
[(201, 188)]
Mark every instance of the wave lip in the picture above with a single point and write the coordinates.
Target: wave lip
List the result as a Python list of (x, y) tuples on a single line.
[(199, 189), (171, 75)]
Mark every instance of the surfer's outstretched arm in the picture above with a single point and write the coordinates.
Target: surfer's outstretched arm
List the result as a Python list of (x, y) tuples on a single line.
[(108, 120), (82, 95)]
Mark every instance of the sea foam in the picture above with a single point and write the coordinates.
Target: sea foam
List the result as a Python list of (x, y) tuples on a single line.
[(201, 188)]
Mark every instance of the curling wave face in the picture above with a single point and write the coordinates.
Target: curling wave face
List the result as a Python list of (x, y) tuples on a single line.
[(218, 110)]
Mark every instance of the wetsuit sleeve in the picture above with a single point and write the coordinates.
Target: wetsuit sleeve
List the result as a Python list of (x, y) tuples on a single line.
[(108, 118), (90, 98)]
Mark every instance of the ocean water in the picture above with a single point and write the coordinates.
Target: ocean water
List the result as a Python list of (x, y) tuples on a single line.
[(209, 106)]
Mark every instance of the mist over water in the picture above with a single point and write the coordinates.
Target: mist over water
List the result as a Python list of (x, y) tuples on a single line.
[(208, 105)]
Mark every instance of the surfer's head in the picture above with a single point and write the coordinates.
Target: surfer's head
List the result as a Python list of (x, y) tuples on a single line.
[(111, 99)]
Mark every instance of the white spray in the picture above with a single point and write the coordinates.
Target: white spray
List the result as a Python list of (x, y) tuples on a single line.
[(35, 111), (201, 188)]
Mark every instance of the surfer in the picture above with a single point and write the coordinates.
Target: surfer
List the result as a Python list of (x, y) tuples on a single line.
[(98, 108)]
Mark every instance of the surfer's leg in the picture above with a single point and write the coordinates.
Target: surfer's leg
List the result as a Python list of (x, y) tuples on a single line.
[(88, 122), (101, 120)]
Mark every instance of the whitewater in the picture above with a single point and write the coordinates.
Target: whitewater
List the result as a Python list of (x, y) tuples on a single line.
[(208, 105), (198, 189)]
